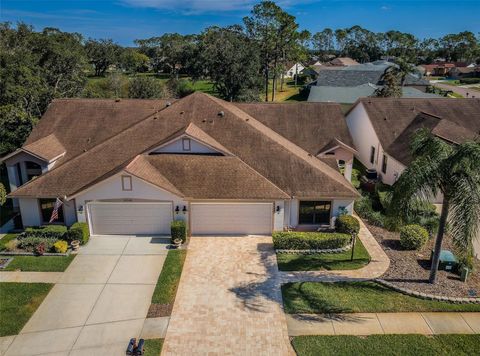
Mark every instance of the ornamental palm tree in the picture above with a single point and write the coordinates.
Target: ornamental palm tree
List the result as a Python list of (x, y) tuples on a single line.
[(453, 171)]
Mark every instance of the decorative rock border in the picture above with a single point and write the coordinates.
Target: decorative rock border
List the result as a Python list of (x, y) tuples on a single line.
[(439, 298), (5, 253), (311, 252)]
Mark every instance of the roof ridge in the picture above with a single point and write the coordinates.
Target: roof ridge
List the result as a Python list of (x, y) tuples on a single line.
[(290, 146)]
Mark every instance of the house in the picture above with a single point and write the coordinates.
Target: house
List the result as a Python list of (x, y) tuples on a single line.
[(343, 62), (442, 68), (293, 69), (381, 128), (347, 84), (132, 166)]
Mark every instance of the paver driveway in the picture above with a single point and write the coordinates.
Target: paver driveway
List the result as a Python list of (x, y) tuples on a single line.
[(100, 302), (229, 300)]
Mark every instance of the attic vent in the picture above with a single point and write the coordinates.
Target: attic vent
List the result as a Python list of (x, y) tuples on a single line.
[(221, 114), (168, 103)]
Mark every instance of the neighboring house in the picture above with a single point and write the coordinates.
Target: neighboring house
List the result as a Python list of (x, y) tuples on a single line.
[(381, 128), (442, 69), (343, 62), (293, 69), (347, 84), (464, 72), (132, 166)]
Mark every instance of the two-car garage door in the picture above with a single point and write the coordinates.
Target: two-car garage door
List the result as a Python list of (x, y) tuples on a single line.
[(154, 218), (122, 218), (231, 218)]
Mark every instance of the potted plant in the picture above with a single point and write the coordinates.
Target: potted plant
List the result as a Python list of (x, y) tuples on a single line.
[(177, 242), (75, 245)]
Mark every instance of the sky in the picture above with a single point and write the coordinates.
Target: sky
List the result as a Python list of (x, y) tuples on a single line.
[(127, 20)]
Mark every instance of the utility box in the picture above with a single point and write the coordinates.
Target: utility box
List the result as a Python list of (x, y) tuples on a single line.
[(448, 261)]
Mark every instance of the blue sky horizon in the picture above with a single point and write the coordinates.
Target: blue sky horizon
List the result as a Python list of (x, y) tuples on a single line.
[(127, 20)]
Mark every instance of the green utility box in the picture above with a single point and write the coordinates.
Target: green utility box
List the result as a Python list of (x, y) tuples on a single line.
[(448, 261)]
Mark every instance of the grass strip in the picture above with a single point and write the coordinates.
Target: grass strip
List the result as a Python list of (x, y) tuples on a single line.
[(39, 263), (169, 278)]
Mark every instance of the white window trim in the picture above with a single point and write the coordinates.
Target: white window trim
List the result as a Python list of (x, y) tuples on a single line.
[(127, 183)]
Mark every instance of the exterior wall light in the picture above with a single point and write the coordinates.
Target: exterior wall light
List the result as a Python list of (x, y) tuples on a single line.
[(184, 209), (177, 210), (278, 209)]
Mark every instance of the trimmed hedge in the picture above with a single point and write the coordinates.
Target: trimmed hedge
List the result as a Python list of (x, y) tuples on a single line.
[(79, 231), (309, 240), (347, 224), (470, 80), (46, 232), (178, 230), (413, 237)]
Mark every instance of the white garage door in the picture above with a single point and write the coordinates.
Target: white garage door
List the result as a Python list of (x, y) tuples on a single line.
[(130, 218), (231, 218)]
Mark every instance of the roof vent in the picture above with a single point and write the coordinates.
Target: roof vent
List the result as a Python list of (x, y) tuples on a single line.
[(168, 103), (204, 120), (247, 119), (221, 114), (385, 118), (117, 100), (155, 117), (182, 112), (89, 139)]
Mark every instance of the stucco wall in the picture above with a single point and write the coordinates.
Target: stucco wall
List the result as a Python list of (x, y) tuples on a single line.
[(336, 205), (278, 217), (111, 189), (30, 211)]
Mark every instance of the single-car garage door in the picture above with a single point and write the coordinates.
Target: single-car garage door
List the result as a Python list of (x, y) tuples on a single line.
[(108, 218), (231, 218)]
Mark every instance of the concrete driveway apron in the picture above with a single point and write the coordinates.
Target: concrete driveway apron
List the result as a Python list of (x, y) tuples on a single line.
[(100, 301)]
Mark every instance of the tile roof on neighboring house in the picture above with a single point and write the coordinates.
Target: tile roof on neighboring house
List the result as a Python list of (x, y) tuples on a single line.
[(395, 120), (276, 159), (348, 95)]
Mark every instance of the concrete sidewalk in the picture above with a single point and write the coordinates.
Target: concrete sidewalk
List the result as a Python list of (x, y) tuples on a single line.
[(383, 323), (378, 265)]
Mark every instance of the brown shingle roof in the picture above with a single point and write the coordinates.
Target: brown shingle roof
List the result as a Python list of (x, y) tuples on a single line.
[(48, 148), (214, 177), (309, 125), (286, 165), (395, 120)]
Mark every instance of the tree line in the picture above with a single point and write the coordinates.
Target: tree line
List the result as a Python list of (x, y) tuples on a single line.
[(244, 62)]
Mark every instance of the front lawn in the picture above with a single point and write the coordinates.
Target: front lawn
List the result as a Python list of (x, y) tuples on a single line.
[(169, 278), (387, 345), (328, 261), (18, 301), (153, 347), (7, 238), (358, 297), (39, 263)]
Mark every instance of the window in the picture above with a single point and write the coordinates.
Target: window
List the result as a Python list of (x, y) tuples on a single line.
[(126, 183), (372, 155), (384, 164), (314, 212), (46, 209), (33, 169), (186, 144)]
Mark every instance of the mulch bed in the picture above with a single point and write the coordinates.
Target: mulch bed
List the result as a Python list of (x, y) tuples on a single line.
[(158, 310), (411, 269)]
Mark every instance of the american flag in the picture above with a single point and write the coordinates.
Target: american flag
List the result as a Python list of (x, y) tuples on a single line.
[(58, 204)]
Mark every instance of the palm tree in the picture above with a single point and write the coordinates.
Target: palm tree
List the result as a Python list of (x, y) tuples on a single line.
[(453, 171)]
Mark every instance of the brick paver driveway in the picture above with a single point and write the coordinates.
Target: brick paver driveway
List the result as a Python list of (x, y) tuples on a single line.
[(229, 300)]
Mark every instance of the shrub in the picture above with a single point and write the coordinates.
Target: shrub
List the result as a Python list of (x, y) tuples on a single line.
[(79, 231), (309, 240), (31, 243), (178, 230), (41, 248), (376, 218), (3, 194), (470, 80), (60, 246), (356, 178), (363, 206), (11, 245), (347, 224), (46, 231), (413, 237)]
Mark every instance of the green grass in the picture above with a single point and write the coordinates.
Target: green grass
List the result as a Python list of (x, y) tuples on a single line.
[(18, 301), (169, 278), (456, 95), (328, 261), (153, 347), (39, 263), (358, 297), (400, 345), (4, 240)]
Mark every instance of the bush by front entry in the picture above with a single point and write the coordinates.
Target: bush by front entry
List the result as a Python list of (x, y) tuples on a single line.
[(178, 230), (309, 240)]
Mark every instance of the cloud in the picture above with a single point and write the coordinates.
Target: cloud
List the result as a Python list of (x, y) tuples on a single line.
[(205, 6), (385, 8)]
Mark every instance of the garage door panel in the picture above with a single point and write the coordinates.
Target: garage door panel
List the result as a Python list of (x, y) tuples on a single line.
[(231, 218), (130, 218)]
